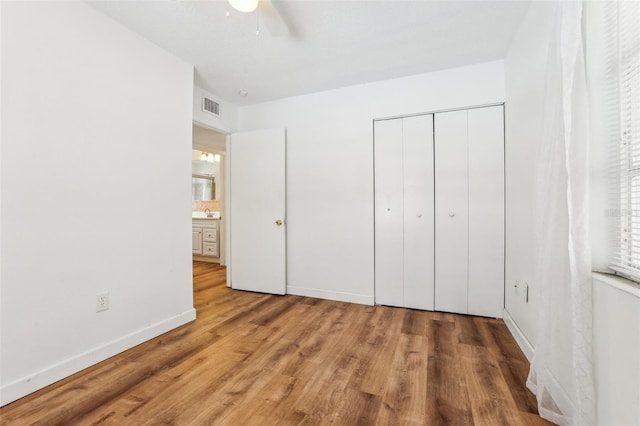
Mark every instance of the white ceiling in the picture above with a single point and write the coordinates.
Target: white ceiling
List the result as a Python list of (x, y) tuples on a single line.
[(331, 44)]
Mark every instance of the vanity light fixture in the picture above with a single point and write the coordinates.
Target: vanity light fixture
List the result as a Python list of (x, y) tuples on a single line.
[(209, 157), (245, 6)]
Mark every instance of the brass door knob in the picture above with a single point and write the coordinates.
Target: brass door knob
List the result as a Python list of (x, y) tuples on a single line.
[(279, 222)]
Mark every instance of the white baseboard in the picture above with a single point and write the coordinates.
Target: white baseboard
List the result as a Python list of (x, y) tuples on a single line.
[(518, 335), (330, 295), (38, 380)]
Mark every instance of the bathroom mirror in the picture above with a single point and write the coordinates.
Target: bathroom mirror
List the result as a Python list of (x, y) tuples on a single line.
[(205, 175), (203, 188)]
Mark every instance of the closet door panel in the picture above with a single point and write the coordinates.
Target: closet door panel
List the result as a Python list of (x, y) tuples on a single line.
[(389, 243), (418, 212), (486, 212), (451, 211)]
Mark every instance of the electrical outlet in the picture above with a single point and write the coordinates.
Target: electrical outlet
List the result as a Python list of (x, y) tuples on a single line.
[(525, 292), (102, 301)]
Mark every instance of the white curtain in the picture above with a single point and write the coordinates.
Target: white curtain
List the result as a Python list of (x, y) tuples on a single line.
[(561, 373)]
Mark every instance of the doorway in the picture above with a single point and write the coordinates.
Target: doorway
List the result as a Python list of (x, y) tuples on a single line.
[(208, 194), (257, 208)]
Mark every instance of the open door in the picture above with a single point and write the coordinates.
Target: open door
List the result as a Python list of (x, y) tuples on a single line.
[(258, 211)]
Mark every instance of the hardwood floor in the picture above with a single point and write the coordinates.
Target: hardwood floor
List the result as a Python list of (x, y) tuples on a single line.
[(255, 359)]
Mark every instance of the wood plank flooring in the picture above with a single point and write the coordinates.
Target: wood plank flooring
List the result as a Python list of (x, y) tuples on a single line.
[(256, 359)]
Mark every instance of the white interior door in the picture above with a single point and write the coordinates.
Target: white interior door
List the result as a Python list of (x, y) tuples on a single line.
[(418, 250), (451, 212), (389, 245), (486, 212), (258, 211)]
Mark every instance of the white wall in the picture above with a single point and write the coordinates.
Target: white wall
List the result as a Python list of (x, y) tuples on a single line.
[(330, 169), (525, 68), (616, 351), (84, 101)]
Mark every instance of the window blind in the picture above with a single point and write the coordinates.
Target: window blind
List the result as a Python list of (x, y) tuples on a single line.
[(623, 121)]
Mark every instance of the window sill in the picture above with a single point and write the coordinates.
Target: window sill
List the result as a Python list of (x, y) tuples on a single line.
[(620, 283)]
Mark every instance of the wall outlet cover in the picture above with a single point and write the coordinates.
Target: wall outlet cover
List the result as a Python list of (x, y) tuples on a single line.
[(102, 301)]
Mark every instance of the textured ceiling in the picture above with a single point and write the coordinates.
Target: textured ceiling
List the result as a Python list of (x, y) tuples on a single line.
[(331, 44)]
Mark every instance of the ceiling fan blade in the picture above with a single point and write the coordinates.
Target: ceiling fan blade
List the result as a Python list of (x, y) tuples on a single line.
[(272, 18)]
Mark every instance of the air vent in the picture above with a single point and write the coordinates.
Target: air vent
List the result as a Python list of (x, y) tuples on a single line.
[(210, 106)]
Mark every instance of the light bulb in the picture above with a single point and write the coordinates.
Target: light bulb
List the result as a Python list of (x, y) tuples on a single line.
[(245, 6), (203, 156)]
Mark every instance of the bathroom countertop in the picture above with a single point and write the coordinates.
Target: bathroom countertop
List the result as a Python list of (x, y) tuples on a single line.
[(198, 215)]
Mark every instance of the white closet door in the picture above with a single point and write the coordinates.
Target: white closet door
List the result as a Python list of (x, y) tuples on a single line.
[(418, 212), (451, 211), (389, 243), (486, 211)]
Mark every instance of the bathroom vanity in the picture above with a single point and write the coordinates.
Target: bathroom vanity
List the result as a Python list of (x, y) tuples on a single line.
[(205, 239)]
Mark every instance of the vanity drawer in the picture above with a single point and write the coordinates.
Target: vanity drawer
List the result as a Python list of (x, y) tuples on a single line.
[(210, 234), (210, 249)]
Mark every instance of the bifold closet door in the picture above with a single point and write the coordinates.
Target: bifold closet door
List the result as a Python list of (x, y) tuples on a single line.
[(486, 212), (389, 226), (469, 199), (451, 211), (417, 138), (404, 250)]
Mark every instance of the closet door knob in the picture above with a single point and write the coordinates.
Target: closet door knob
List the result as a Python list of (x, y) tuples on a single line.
[(452, 214), (419, 215)]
